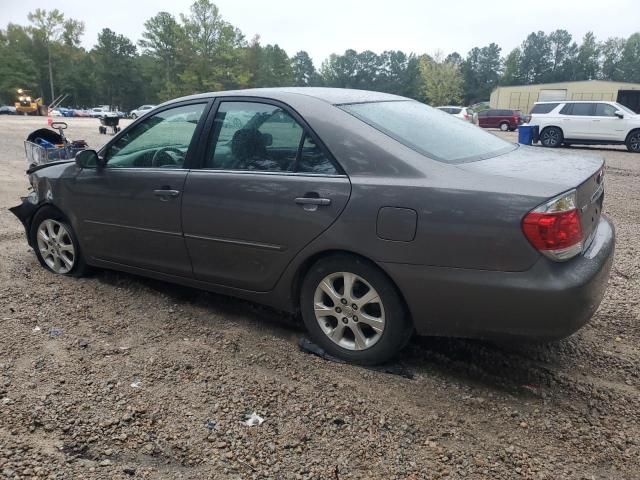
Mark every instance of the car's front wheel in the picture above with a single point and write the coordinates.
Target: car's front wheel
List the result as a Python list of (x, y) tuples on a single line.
[(551, 137), (633, 141), (134, 116), (55, 243), (353, 311)]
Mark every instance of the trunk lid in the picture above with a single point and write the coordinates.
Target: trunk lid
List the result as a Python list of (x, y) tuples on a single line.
[(553, 173)]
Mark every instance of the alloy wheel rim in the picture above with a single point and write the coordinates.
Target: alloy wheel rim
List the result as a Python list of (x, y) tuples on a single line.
[(635, 142), (349, 311), (55, 246), (551, 137)]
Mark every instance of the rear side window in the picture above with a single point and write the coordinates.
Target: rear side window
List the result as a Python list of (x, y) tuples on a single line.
[(455, 111), (429, 131), (578, 109), (544, 107)]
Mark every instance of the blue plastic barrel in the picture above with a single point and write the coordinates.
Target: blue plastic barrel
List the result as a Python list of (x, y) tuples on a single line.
[(525, 134)]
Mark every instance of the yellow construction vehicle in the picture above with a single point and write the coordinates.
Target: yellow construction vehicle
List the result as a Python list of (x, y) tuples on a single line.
[(29, 106)]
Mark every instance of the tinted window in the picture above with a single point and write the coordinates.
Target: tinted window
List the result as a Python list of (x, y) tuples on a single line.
[(455, 111), (605, 110), (582, 109), (493, 113), (313, 159), (254, 136), (566, 110), (484, 113), (159, 141), (544, 107), (430, 131)]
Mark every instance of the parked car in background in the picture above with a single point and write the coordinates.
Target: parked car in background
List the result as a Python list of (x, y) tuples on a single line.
[(256, 193), (98, 112), (505, 120), (463, 113), (8, 110), (141, 110), (586, 122)]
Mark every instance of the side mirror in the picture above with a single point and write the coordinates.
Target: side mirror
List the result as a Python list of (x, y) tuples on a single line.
[(87, 159), (619, 113)]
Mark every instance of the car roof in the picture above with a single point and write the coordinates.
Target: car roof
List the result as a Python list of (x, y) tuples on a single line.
[(334, 96)]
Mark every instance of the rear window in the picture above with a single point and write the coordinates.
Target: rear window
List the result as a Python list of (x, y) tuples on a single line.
[(543, 107), (455, 111), (430, 131)]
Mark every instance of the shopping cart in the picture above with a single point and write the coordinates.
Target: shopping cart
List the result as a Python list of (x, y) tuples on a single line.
[(45, 145)]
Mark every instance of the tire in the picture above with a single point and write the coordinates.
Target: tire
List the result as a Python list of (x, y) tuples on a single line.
[(327, 311), (134, 116), (551, 137), (633, 141), (504, 127), (55, 243)]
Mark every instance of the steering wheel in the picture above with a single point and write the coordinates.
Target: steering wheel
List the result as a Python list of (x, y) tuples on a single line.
[(167, 156)]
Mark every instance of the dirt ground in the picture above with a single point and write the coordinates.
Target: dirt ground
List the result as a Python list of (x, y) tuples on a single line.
[(115, 376)]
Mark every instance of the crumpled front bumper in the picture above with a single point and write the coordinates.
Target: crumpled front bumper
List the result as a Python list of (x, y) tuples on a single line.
[(25, 212)]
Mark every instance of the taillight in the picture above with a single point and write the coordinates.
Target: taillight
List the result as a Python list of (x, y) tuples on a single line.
[(554, 228)]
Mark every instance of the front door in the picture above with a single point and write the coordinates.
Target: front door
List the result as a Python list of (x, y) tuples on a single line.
[(129, 209), (267, 188)]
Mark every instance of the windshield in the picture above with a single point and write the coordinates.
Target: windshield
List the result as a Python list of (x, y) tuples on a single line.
[(430, 131), (625, 109)]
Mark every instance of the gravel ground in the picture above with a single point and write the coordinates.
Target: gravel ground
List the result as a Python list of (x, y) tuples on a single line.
[(115, 376)]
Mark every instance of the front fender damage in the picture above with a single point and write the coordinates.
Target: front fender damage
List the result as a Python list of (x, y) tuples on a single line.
[(25, 212)]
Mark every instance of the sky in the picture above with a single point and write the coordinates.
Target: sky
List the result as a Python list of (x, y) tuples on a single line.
[(323, 27)]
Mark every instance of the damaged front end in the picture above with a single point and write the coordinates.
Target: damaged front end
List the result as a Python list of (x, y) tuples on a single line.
[(25, 212)]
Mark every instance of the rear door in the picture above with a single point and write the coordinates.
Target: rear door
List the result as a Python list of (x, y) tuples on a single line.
[(577, 119), (266, 188)]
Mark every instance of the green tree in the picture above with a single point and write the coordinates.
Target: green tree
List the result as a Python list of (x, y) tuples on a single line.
[(162, 41), (49, 28), (442, 81), (611, 51), (399, 74), (274, 67), (213, 49), (587, 60), (563, 55), (17, 68), (512, 72), (630, 62), (304, 72), (481, 72), (535, 59), (116, 69)]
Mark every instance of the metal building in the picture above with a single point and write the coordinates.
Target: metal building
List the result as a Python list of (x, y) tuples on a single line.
[(522, 97)]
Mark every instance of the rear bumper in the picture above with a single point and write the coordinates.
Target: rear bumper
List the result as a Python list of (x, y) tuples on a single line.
[(549, 301), (25, 212)]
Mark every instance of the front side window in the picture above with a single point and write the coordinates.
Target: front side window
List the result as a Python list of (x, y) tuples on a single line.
[(430, 131), (159, 141), (253, 136), (605, 110)]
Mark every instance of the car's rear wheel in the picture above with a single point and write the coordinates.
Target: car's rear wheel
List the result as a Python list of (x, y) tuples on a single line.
[(504, 126), (551, 137), (55, 243), (353, 311), (633, 141), (134, 116)]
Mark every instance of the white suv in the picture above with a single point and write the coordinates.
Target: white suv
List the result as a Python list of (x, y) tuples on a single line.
[(141, 110), (595, 123)]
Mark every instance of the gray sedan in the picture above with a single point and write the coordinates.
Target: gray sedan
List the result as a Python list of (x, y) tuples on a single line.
[(372, 215)]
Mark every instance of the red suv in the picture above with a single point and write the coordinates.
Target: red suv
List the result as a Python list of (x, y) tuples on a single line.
[(502, 119)]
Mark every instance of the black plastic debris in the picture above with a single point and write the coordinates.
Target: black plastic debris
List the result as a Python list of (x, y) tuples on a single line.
[(395, 368)]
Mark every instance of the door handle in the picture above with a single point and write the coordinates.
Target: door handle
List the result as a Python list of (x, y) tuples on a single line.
[(323, 202), (166, 193)]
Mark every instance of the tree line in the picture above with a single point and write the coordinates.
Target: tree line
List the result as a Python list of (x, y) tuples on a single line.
[(200, 51)]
